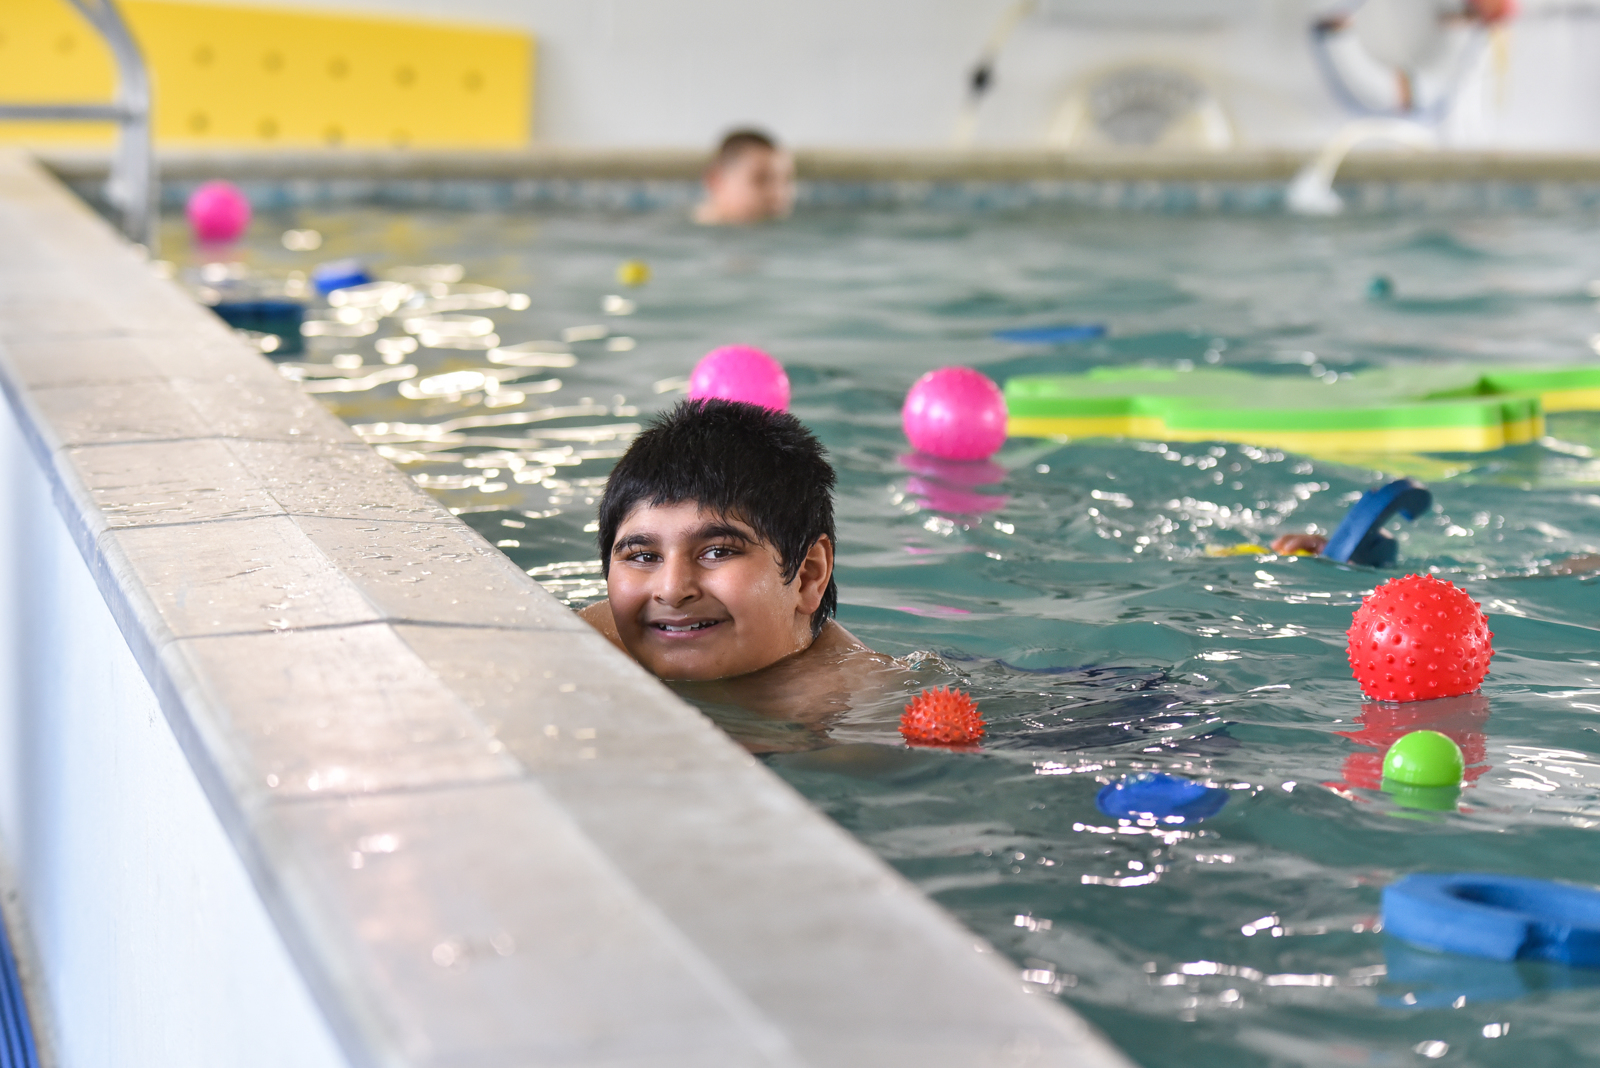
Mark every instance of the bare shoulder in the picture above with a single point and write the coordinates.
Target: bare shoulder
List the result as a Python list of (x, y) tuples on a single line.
[(835, 639), (599, 617)]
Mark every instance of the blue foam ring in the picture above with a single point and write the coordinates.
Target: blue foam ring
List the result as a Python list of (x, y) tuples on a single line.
[(1047, 335), (339, 274), (1498, 917), (1360, 538), (1168, 798)]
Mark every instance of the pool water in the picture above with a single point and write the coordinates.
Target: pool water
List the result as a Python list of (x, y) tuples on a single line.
[(1073, 595)]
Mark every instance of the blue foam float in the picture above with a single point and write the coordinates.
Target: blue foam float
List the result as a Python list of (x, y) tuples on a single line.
[(339, 274), (1498, 917), (1153, 795), (1048, 335), (1360, 538)]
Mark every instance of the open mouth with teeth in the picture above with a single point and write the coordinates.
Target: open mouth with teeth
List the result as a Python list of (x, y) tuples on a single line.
[(685, 628)]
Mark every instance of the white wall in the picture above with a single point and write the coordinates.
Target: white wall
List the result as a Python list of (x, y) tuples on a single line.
[(154, 948), (892, 73)]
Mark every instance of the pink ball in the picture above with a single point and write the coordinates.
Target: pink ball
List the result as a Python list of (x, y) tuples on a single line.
[(955, 413), (740, 373), (218, 212)]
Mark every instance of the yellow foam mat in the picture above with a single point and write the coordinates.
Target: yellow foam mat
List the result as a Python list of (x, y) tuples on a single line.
[(263, 77)]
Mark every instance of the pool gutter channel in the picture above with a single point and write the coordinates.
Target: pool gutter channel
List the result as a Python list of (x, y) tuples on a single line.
[(485, 836), (547, 162), (1247, 181)]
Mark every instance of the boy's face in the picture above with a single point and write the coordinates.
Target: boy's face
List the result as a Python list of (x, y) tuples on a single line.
[(698, 596), (754, 185)]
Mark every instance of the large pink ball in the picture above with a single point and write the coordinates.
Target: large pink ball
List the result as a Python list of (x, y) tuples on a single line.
[(955, 413), (740, 373), (218, 212)]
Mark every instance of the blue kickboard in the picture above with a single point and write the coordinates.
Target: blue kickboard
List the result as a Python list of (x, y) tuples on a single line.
[(1049, 335)]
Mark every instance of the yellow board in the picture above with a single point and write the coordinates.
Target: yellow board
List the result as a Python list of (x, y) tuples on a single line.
[(250, 77)]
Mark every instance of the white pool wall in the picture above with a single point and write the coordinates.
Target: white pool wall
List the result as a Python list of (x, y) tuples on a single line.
[(893, 73), (151, 946)]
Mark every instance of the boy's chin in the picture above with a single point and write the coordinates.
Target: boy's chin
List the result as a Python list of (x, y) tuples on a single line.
[(696, 668)]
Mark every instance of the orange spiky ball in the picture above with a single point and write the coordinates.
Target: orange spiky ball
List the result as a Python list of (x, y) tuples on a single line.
[(941, 717), (1417, 638)]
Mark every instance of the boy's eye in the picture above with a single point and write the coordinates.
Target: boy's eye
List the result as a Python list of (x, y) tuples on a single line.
[(721, 552), (644, 557)]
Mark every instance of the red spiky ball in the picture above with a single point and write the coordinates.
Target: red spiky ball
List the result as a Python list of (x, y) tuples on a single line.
[(941, 717), (1417, 638)]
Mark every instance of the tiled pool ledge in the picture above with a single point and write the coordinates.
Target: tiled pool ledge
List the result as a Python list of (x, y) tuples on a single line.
[(483, 835), (1247, 180)]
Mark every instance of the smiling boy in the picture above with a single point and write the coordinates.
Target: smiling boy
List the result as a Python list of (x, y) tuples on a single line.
[(717, 543)]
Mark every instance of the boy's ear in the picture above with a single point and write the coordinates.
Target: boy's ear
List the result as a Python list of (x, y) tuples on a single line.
[(815, 571)]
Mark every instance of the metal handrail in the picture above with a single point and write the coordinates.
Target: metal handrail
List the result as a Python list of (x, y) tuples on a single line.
[(133, 183)]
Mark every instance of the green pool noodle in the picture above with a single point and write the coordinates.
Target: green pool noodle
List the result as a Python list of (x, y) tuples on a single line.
[(1421, 408)]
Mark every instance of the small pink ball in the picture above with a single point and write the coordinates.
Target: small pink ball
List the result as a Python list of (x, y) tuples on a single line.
[(218, 212), (740, 373), (955, 413)]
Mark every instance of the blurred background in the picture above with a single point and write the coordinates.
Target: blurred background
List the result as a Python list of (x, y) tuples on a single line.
[(1072, 75)]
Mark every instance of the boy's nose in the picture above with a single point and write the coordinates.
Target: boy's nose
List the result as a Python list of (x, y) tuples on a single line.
[(678, 584)]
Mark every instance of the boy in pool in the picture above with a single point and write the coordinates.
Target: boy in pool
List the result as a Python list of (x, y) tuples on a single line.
[(717, 540), (750, 180)]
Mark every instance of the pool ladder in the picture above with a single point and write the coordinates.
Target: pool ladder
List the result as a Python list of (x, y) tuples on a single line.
[(133, 184)]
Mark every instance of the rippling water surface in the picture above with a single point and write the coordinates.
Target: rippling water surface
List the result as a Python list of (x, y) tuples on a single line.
[(1073, 594)]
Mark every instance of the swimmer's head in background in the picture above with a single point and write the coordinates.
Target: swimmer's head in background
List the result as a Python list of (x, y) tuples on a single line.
[(750, 179), (736, 460)]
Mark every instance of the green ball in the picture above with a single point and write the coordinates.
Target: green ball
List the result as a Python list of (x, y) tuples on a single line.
[(1424, 758)]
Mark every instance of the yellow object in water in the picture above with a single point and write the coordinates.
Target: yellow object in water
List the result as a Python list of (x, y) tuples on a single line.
[(1251, 550), (1237, 550), (633, 272), (236, 76)]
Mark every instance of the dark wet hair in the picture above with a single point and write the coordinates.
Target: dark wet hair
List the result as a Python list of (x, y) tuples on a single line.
[(737, 142), (737, 460)]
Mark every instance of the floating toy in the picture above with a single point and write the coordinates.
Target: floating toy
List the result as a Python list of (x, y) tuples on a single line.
[(1461, 408), (1153, 795), (1500, 917), (339, 274), (218, 212), (280, 318), (633, 273), (1249, 549), (1424, 758), (1416, 638), (1464, 720), (1423, 770), (1052, 335), (1360, 539), (740, 373), (955, 413), (941, 717)]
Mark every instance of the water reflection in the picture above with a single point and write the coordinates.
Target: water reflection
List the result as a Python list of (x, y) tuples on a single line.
[(1421, 979), (1463, 719), (954, 486)]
